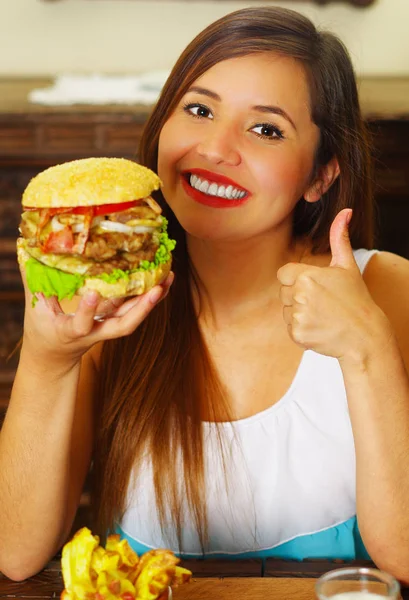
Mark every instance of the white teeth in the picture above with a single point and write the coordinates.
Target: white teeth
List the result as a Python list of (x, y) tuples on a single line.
[(212, 189), (204, 186)]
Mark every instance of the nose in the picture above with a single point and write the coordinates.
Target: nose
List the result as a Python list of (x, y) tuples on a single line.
[(220, 147)]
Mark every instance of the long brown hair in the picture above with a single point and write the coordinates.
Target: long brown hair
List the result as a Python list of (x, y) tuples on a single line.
[(155, 383)]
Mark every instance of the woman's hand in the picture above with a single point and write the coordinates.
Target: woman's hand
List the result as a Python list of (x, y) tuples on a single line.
[(329, 309), (54, 336)]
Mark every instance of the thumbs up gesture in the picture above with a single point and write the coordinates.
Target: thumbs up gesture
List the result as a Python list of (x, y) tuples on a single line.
[(329, 309)]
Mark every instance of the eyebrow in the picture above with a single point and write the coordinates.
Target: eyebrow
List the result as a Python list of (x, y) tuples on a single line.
[(276, 110)]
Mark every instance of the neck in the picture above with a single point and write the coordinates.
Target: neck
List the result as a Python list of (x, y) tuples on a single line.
[(238, 280)]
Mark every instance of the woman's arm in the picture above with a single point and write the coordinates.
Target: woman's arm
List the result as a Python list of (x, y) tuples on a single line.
[(377, 386), (45, 449), (364, 323), (46, 439)]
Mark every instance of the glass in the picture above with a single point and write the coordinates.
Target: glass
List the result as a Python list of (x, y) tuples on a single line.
[(357, 584)]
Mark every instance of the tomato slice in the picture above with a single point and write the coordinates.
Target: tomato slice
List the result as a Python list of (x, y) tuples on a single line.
[(59, 242), (105, 209)]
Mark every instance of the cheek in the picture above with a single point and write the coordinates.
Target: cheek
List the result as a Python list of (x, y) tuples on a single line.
[(173, 146), (284, 175)]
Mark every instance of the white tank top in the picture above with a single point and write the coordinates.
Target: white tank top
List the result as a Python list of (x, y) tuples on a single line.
[(291, 477)]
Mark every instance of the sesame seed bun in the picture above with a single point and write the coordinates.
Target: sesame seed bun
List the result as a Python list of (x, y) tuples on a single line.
[(89, 182)]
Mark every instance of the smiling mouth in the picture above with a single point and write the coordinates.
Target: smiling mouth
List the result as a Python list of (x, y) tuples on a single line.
[(215, 190)]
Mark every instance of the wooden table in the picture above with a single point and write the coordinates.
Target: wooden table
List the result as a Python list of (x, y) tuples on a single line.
[(236, 580), (236, 588), (246, 589)]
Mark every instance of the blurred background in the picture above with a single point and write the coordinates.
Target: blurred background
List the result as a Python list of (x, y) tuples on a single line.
[(78, 78), (47, 37)]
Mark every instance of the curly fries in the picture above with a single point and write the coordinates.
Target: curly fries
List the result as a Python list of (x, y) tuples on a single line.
[(116, 572)]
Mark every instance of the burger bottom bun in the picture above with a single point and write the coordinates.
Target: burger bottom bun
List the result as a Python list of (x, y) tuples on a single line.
[(136, 284)]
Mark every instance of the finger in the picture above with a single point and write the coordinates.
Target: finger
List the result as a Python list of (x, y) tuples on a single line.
[(129, 304), (126, 306), (52, 304), (288, 314), (39, 305), (287, 295), (341, 250), (43, 305), (137, 311), (109, 305), (288, 274), (82, 323)]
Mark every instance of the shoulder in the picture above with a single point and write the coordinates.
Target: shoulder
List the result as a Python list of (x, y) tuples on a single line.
[(387, 274), (387, 279)]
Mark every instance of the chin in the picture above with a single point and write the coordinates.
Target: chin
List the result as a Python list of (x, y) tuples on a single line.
[(203, 228)]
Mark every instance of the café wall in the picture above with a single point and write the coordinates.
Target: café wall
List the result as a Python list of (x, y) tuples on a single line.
[(123, 36)]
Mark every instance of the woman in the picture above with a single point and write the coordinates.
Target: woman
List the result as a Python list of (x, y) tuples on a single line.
[(262, 409)]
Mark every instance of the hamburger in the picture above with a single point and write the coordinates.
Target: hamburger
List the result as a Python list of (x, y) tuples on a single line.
[(91, 224)]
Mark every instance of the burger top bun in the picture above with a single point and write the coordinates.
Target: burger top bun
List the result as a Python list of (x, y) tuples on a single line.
[(89, 182)]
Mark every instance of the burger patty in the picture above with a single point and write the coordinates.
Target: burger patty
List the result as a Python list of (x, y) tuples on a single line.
[(101, 252), (101, 246), (113, 250), (125, 262), (104, 249)]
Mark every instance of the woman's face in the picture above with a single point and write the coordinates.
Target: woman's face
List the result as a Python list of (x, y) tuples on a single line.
[(238, 151)]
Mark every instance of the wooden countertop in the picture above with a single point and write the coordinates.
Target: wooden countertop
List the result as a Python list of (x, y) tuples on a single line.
[(197, 589), (212, 580), (237, 588), (381, 98), (246, 589)]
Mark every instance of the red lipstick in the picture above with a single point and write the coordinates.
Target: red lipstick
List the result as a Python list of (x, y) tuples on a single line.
[(212, 201)]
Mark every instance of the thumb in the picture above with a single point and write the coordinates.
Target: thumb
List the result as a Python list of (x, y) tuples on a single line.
[(341, 250)]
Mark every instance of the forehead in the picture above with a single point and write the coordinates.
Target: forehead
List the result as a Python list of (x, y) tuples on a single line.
[(260, 79)]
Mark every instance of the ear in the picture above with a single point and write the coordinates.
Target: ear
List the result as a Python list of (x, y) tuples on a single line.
[(327, 174)]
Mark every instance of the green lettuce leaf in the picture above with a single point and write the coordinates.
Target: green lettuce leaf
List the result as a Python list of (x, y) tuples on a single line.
[(50, 281), (53, 282)]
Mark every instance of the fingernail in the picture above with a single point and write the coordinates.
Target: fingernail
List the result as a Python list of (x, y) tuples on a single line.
[(155, 294), (91, 298), (117, 301)]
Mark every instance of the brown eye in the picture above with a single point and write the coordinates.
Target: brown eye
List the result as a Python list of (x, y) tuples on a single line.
[(199, 111), (268, 131)]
